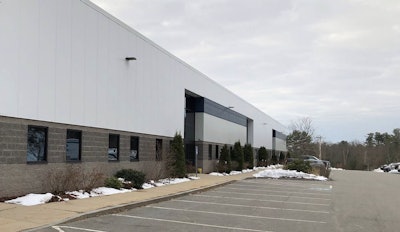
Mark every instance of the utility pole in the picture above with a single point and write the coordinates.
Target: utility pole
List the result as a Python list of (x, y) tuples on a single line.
[(319, 146)]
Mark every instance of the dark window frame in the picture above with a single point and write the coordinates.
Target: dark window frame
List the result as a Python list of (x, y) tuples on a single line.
[(79, 148), (132, 138), (216, 152), (113, 153), (209, 152), (46, 135), (159, 149)]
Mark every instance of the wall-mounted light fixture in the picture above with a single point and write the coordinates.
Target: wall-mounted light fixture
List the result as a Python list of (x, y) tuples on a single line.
[(130, 58)]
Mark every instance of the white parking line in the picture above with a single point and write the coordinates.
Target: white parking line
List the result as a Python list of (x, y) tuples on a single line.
[(285, 187), (238, 215), (256, 188), (190, 223), (253, 207), (264, 200), (271, 195), (58, 228), (287, 184)]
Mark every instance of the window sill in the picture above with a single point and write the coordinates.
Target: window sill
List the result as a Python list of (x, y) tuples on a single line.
[(73, 161), (36, 162)]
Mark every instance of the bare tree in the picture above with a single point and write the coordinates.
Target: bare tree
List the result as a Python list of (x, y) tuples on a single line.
[(303, 125), (299, 141)]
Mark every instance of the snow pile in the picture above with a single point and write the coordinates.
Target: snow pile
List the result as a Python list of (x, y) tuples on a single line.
[(108, 191), (337, 169), (32, 199), (395, 171), (277, 166), (101, 191), (167, 181), (280, 173), (235, 173), (217, 174), (147, 186), (244, 170), (378, 170), (35, 199)]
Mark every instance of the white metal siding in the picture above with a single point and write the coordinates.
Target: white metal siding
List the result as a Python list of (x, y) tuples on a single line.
[(64, 61)]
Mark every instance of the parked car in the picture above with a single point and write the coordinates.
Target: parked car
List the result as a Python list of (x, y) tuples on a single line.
[(314, 161), (390, 167)]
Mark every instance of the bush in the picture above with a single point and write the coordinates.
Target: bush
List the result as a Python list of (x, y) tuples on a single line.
[(237, 155), (224, 162), (300, 166), (281, 158), (73, 177), (177, 157), (262, 157), (137, 178), (274, 158), (248, 155), (113, 182)]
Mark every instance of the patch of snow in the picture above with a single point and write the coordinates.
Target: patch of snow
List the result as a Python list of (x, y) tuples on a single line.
[(107, 191), (235, 173), (217, 174), (378, 170), (276, 166), (32, 199), (337, 169), (194, 177), (147, 186), (168, 181), (245, 170), (395, 171), (280, 173)]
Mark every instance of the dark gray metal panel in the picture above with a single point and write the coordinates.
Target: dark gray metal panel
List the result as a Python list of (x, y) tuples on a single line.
[(212, 108)]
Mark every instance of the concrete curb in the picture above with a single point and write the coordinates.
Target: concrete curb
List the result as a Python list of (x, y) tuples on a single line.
[(128, 206)]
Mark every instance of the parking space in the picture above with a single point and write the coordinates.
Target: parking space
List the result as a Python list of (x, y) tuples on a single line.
[(248, 205)]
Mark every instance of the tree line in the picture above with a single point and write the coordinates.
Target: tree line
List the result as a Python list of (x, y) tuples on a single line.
[(377, 149)]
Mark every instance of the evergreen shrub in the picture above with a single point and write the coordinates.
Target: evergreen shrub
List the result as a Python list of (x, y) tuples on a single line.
[(300, 166), (262, 157), (177, 161), (137, 178), (224, 162), (248, 156), (113, 182), (237, 156)]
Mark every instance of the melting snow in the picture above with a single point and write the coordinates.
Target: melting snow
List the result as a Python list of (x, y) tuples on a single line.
[(273, 171), (32, 199), (280, 173)]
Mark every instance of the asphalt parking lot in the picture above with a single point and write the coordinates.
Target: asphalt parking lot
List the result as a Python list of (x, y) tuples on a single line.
[(248, 205)]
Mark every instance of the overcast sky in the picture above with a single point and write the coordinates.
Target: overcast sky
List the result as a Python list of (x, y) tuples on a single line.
[(337, 62)]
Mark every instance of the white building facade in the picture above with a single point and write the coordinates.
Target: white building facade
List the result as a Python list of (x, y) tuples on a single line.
[(79, 87)]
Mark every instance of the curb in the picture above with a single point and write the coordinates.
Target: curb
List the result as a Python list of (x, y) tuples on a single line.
[(128, 206)]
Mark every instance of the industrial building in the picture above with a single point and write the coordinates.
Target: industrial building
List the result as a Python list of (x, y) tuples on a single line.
[(80, 87)]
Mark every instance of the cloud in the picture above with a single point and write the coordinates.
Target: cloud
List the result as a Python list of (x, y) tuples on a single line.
[(337, 62)]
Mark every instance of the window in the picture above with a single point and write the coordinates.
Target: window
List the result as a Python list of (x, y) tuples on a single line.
[(158, 149), (37, 144), (210, 152), (134, 156), (216, 152), (113, 147), (73, 146)]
